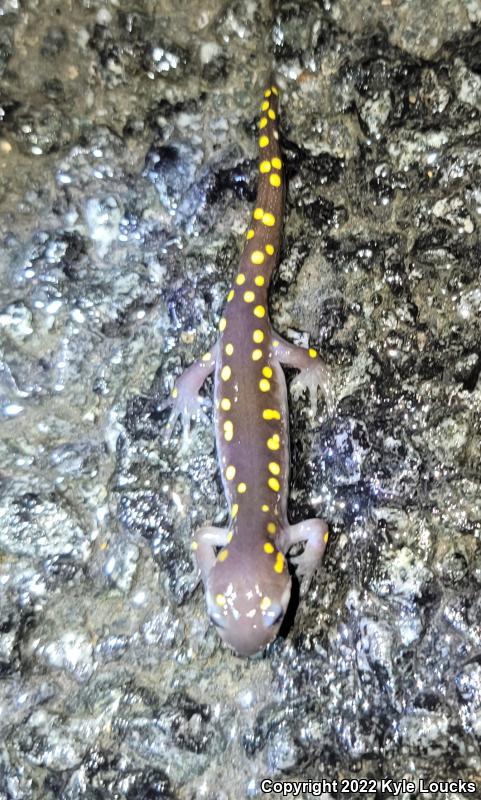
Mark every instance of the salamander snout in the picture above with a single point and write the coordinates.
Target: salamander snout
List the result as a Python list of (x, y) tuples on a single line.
[(247, 606)]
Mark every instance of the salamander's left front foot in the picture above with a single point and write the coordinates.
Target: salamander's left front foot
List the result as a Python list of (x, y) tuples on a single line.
[(314, 534)]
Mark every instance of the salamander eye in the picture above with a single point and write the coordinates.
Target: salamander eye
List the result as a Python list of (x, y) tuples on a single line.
[(216, 621), (274, 616)]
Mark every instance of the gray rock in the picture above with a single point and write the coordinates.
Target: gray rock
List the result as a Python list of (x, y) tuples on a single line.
[(127, 175)]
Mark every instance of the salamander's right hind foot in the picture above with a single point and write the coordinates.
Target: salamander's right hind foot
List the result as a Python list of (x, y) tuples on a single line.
[(185, 401)]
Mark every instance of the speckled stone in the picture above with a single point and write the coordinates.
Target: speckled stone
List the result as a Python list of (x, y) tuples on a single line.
[(127, 173)]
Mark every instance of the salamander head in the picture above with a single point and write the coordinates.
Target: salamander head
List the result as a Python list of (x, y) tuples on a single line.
[(247, 599)]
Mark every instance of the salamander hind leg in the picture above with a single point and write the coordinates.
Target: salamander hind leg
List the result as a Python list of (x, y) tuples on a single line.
[(185, 401), (314, 534), (313, 372)]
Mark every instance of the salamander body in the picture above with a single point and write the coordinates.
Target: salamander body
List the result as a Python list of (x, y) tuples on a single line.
[(243, 567)]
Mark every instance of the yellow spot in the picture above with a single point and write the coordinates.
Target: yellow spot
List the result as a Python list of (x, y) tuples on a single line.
[(312, 352), (250, 234), (263, 122), (326, 536), (275, 343), (225, 404), (207, 357), (256, 355), (268, 547), (230, 295), (228, 430), (259, 280), (229, 536), (258, 213), (267, 372), (274, 90), (258, 336), (194, 546), (264, 508), (220, 600), (265, 166), (242, 488), (230, 472), (279, 565), (241, 278), (267, 93), (263, 141), (257, 257), (276, 163), (234, 510), (268, 219), (222, 555), (270, 413), (274, 484), (269, 249), (222, 324), (273, 466), (226, 372), (249, 296), (275, 180), (271, 114), (271, 527), (274, 442), (264, 385), (175, 392), (265, 603), (229, 348), (260, 311), (265, 105)]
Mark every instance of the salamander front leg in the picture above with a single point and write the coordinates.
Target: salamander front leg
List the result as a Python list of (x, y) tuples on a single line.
[(203, 544), (313, 373), (185, 401), (314, 533)]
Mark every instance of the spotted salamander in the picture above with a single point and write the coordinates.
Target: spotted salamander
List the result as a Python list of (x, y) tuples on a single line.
[(243, 566)]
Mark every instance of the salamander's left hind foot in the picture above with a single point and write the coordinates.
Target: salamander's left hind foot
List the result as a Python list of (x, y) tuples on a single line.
[(313, 377), (313, 372)]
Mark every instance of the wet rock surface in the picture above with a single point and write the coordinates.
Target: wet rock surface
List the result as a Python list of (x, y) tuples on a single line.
[(128, 165)]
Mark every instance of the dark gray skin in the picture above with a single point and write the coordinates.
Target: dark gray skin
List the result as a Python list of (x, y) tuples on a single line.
[(247, 583)]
